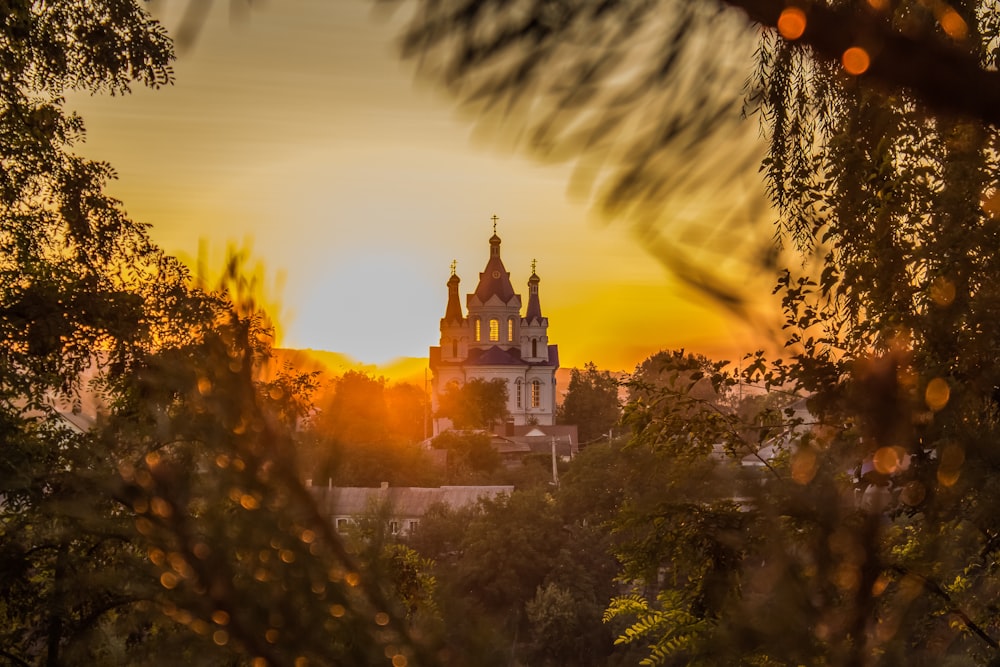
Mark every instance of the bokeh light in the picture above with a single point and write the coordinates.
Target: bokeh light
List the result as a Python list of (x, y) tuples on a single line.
[(792, 23), (856, 61)]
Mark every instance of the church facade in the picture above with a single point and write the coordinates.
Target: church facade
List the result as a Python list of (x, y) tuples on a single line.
[(494, 340)]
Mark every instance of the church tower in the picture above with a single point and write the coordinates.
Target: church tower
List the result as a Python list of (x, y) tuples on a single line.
[(495, 341)]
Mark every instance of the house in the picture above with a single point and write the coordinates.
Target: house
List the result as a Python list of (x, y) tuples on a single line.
[(515, 442), (405, 505)]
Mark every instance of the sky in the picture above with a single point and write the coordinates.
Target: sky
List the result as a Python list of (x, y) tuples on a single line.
[(297, 132)]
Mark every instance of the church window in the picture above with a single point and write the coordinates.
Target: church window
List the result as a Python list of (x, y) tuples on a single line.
[(510, 329), (454, 347), (478, 329), (536, 393), (518, 392), (534, 347), (494, 330)]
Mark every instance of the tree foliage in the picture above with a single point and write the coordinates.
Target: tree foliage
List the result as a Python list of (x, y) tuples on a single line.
[(470, 456), (885, 194), (891, 206), (591, 402), (366, 432), (175, 528), (517, 581), (479, 403)]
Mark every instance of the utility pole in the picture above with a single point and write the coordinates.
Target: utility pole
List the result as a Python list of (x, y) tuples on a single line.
[(427, 408), (555, 468)]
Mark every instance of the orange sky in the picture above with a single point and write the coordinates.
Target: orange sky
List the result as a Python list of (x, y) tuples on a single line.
[(300, 130)]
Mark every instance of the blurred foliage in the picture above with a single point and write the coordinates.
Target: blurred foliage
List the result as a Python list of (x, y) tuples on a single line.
[(644, 98), (864, 540), (151, 508), (852, 528), (647, 100)]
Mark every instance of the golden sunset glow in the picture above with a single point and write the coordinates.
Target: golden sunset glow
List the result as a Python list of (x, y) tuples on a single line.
[(298, 133)]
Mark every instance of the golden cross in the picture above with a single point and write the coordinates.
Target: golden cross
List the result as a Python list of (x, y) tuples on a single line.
[(454, 263), (533, 263), (494, 219)]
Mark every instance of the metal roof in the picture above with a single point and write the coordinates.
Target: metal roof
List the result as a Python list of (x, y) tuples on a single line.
[(405, 501)]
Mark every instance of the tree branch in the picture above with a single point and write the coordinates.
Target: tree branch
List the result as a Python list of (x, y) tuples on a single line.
[(933, 587), (945, 77)]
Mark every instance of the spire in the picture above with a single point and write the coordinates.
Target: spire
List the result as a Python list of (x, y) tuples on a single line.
[(454, 310), (494, 246), (494, 240), (534, 307), (494, 280)]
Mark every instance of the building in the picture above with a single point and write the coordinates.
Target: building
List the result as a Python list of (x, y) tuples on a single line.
[(496, 341), (403, 507)]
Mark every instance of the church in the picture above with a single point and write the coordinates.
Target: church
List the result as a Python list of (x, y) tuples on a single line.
[(496, 341)]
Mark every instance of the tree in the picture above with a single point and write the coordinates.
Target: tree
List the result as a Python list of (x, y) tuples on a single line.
[(532, 41), (492, 560), (76, 276), (892, 205), (591, 402), (357, 412), (470, 455), (366, 434), (409, 412), (889, 203), (672, 393), (555, 626), (175, 529), (694, 376), (608, 87), (478, 403)]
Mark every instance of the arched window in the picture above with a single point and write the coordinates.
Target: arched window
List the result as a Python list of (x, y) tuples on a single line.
[(479, 332), (517, 391), (494, 330), (510, 329), (454, 347), (536, 393), (534, 347)]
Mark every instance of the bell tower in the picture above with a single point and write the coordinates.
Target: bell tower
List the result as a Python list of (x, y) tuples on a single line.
[(493, 340)]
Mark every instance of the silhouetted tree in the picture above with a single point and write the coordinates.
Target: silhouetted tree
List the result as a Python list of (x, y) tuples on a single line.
[(366, 434), (885, 189), (478, 403), (174, 529), (491, 561), (591, 402), (471, 456)]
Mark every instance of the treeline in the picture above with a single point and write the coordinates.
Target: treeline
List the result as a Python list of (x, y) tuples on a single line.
[(557, 575), (365, 431)]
